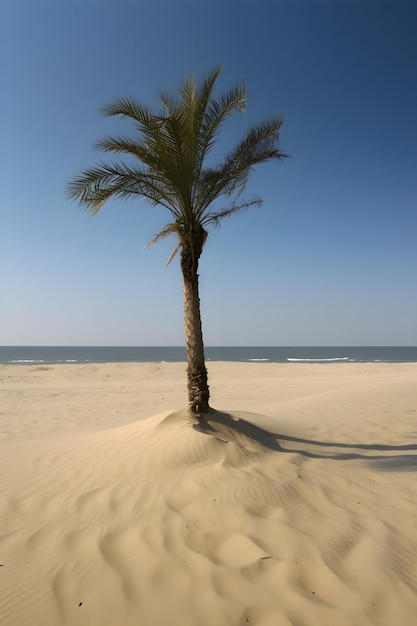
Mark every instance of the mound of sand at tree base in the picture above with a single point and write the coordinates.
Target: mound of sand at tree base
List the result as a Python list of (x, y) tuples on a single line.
[(301, 518)]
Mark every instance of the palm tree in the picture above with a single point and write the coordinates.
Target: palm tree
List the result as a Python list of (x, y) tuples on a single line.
[(169, 166)]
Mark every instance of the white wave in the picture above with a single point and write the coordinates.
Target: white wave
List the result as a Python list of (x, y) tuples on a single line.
[(71, 361), (337, 358), (258, 360), (27, 361)]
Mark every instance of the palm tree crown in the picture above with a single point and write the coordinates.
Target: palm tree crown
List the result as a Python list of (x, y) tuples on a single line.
[(170, 167)]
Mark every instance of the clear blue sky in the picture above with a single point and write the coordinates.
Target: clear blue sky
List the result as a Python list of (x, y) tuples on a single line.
[(331, 256)]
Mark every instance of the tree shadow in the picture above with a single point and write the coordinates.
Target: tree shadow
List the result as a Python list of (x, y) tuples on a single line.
[(227, 428)]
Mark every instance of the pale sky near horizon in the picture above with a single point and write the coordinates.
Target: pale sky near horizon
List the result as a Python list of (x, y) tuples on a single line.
[(331, 256)]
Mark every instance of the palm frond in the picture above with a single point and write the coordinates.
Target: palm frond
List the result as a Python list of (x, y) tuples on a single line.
[(230, 177), (173, 254), (119, 144), (259, 144), (216, 112), (94, 186), (130, 108), (169, 229), (168, 103), (214, 218)]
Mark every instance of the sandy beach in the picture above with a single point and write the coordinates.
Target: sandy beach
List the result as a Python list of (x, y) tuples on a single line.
[(293, 504)]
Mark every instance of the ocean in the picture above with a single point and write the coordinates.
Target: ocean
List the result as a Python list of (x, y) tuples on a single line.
[(26, 355)]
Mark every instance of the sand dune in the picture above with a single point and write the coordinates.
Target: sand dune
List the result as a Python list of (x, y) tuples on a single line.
[(301, 513)]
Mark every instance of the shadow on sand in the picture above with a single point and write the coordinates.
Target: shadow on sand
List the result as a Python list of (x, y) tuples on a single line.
[(227, 428)]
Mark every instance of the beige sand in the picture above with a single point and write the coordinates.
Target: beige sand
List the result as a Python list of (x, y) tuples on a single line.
[(295, 504)]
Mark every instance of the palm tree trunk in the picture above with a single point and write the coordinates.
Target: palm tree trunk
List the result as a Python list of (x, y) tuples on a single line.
[(198, 391)]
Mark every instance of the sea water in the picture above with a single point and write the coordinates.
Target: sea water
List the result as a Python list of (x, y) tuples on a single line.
[(27, 355)]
